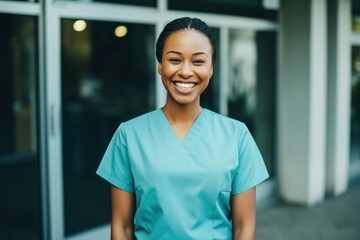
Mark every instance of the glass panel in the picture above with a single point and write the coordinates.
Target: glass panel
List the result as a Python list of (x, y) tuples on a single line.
[(20, 216), (355, 91), (105, 80), (246, 8), (355, 106), (210, 97), (251, 95), (144, 3)]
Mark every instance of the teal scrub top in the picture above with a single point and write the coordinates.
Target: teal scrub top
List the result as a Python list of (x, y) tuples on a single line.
[(183, 188)]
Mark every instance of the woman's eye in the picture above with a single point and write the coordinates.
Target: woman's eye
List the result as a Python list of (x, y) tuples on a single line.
[(198, 61), (174, 60)]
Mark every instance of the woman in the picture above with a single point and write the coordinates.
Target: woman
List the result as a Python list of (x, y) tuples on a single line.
[(183, 172)]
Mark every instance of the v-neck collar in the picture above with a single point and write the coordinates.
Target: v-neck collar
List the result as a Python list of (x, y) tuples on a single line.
[(191, 135)]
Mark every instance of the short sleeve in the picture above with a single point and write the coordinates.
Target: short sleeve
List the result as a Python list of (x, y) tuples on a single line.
[(114, 166), (251, 167)]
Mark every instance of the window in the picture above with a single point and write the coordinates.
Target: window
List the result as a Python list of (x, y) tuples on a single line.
[(355, 92), (20, 216), (251, 95)]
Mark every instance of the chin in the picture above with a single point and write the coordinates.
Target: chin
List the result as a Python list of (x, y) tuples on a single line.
[(185, 102)]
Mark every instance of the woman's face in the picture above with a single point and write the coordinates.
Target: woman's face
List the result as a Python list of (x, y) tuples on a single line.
[(186, 66)]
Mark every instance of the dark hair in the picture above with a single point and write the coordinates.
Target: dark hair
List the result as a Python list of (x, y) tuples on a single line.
[(185, 23)]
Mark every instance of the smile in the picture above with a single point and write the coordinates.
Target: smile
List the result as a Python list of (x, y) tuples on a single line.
[(185, 85)]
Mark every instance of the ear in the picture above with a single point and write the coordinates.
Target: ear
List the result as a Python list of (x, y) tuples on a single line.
[(160, 69), (211, 70)]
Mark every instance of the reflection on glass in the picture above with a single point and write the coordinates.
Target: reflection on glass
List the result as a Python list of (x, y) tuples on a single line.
[(251, 90), (19, 159), (120, 31), (242, 76), (355, 22), (355, 106), (105, 80), (79, 25)]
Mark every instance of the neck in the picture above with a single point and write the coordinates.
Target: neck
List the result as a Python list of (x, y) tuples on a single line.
[(181, 113)]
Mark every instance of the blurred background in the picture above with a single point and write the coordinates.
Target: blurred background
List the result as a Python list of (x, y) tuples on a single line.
[(72, 71)]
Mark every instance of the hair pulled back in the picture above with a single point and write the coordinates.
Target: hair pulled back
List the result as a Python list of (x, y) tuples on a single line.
[(185, 23)]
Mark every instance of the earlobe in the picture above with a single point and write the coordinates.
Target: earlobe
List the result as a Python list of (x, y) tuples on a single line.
[(160, 69)]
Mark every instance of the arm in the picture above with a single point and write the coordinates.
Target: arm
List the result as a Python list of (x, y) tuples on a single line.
[(122, 220), (243, 211)]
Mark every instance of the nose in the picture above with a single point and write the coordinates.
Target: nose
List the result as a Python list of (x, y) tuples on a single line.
[(185, 70)]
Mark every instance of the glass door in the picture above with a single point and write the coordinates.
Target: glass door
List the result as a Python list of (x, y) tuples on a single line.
[(107, 77), (20, 204)]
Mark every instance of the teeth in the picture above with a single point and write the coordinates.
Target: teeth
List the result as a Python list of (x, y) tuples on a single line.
[(185, 85)]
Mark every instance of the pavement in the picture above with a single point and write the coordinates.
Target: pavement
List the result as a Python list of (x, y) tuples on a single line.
[(336, 218)]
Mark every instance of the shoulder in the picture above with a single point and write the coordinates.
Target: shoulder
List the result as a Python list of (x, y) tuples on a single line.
[(224, 121), (223, 125), (144, 118), (138, 123), (225, 128)]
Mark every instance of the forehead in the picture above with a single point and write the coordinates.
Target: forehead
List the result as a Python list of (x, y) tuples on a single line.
[(188, 39)]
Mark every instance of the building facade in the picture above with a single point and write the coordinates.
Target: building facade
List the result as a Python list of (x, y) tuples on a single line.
[(71, 71)]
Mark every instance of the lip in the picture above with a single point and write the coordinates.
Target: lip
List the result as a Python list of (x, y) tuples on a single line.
[(182, 89)]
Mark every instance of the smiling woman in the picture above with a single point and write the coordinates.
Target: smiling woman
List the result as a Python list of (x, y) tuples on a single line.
[(160, 161), (186, 67)]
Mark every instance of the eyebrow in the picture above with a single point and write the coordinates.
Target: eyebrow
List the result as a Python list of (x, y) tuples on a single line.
[(179, 53)]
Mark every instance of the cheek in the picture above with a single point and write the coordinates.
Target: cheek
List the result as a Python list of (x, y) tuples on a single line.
[(205, 74), (168, 70)]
